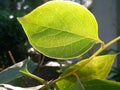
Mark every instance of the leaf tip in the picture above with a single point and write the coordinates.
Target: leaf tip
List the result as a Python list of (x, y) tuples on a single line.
[(20, 19)]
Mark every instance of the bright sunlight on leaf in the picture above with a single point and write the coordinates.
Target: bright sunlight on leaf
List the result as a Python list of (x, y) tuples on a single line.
[(61, 29)]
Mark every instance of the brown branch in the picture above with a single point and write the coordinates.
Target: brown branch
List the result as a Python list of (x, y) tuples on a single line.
[(11, 56)]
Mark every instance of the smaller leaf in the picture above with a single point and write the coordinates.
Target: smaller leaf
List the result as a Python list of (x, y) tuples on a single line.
[(70, 83), (11, 73), (98, 68)]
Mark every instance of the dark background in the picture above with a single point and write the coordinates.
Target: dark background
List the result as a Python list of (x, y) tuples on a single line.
[(12, 36)]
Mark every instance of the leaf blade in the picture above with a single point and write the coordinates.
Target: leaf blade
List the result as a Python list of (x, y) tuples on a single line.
[(98, 68), (99, 84), (71, 83), (48, 26)]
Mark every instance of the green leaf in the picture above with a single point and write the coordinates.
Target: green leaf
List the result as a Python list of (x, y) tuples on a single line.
[(12, 73), (98, 84), (98, 68), (61, 29), (70, 83)]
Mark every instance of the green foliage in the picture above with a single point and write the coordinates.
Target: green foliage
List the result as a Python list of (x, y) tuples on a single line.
[(99, 84), (62, 30), (70, 83), (98, 68), (12, 73), (61, 35)]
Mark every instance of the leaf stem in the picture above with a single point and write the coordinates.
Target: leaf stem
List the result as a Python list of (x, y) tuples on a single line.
[(111, 42), (36, 77), (25, 71), (104, 46)]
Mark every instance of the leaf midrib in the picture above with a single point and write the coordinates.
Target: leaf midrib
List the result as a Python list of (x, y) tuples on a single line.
[(97, 40)]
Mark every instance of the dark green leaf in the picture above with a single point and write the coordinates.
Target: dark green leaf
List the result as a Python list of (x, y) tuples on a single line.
[(98, 84), (12, 72)]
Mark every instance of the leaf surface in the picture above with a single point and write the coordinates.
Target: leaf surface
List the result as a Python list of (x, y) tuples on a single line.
[(99, 84), (98, 68), (12, 73), (70, 83), (61, 29)]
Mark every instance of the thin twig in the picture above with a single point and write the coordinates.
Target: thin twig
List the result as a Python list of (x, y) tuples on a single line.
[(42, 60), (11, 56), (104, 46), (2, 66)]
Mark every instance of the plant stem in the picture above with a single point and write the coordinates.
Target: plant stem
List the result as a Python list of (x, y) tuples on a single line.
[(111, 42), (104, 47), (36, 77), (25, 71)]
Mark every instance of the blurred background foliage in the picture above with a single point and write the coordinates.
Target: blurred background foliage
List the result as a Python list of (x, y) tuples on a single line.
[(12, 36)]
